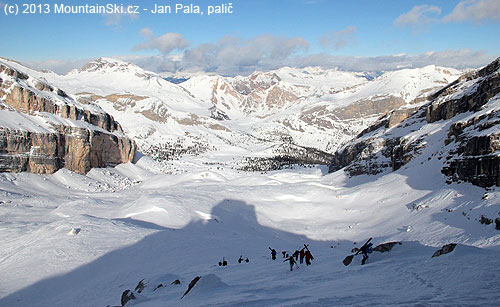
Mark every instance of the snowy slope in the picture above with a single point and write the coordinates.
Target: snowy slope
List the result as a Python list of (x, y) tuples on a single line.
[(166, 227), (73, 240), (308, 107)]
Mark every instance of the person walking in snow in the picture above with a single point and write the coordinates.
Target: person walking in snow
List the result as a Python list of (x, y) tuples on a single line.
[(302, 254), (292, 262), (296, 255), (240, 260), (365, 250), (273, 253), (309, 257)]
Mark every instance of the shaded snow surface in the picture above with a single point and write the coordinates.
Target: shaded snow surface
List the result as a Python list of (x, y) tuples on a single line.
[(134, 224)]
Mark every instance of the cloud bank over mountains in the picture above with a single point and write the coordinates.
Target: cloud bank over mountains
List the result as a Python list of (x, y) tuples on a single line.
[(232, 55)]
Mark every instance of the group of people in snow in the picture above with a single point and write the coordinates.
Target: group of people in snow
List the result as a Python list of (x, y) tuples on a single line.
[(303, 253)]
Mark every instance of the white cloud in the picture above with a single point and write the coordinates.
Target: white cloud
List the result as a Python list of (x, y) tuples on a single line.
[(475, 10), (466, 10), (339, 39), (58, 66), (146, 32), (418, 15), (459, 59), (212, 58), (230, 55), (116, 19), (165, 43)]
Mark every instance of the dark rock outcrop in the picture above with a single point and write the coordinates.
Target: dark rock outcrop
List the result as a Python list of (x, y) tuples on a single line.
[(448, 248), (486, 87), (385, 247), (127, 296), (478, 156), (191, 285)]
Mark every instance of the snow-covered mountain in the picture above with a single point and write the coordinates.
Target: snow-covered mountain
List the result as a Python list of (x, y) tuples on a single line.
[(262, 121), (74, 240), (459, 125), (42, 129)]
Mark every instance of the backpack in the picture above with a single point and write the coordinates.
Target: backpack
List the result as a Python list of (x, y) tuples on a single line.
[(369, 248)]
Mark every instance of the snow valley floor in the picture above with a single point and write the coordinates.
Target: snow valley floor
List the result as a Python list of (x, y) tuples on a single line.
[(73, 240)]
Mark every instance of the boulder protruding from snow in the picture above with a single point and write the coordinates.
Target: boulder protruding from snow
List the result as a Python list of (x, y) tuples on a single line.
[(448, 248), (191, 285), (74, 231), (385, 247), (127, 295)]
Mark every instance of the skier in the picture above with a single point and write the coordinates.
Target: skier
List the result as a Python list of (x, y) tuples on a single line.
[(309, 257), (296, 255), (302, 255), (365, 250), (240, 259), (273, 253), (292, 262)]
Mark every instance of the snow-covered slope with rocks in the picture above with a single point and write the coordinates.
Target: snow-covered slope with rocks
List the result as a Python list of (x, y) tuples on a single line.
[(74, 240), (43, 129), (250, 118), (459, 126), (83, 240)]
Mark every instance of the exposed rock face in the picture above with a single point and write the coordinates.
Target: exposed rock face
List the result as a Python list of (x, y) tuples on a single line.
[(78, 150), (127, 296), (478, 161), (446, 249), (66, 134), (399, 115), (191, 285), (27, 101), (368, 107), (372, 156), (475, 157), (486, 87), (385, 247)]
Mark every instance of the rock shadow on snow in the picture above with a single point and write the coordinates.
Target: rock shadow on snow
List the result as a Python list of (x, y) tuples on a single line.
[(165, 252)]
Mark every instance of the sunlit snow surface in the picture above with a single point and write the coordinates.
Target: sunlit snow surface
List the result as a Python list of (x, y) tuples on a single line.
[(135, 224), (73, 240)]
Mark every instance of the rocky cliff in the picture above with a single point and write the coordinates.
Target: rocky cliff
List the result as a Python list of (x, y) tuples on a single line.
[(459, 125), (42, 129)]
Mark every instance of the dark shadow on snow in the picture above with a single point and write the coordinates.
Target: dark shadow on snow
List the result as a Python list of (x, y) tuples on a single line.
[(163, 253)]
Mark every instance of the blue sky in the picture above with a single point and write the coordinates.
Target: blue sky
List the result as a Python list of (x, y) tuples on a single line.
[(260, 34)]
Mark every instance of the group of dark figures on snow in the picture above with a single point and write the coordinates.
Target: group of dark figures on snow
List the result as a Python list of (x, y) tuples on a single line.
[(305, 254)]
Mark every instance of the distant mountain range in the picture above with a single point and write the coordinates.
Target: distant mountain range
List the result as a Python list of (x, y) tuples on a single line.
[(263, 121)]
